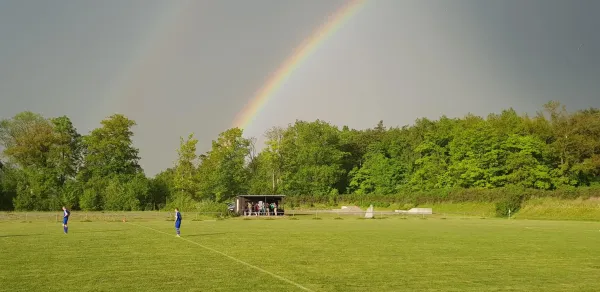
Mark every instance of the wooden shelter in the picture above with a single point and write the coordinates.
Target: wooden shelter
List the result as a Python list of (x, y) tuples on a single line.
[(241, 202)]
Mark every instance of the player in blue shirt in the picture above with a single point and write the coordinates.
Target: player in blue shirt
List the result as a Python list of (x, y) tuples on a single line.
[(177, 221), (66, 214)]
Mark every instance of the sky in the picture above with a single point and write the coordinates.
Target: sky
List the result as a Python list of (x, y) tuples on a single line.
[(183, 66)]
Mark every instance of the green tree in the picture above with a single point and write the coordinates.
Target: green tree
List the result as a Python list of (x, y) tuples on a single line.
[(584, 146), (222, 171), (37, 190), (65, 152), (126, 195), (272, 160), (27, 139), (109, 149), (185, 169), (162, 188), (312, 158), (91, 199), (110, 165), (8, 186), (47, 153), (264, 178), (386, 166), (432, 154), (525, 164)]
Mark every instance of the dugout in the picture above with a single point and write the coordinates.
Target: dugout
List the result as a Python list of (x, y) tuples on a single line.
[(242, 201)]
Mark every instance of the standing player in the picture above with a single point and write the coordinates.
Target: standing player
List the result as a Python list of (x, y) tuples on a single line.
[(66, 214), (177, 221)]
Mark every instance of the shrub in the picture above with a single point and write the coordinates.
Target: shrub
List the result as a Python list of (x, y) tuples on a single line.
[(510, 204)]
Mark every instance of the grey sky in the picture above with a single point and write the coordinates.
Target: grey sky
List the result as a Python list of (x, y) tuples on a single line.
[(190, 66)]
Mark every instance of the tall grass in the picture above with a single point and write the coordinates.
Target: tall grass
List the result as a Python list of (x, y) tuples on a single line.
[(560, 209)]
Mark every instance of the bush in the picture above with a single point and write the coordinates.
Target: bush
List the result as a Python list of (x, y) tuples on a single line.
[(211, 206), (333, 197), (509, 205), (182, 201), (408, 206)]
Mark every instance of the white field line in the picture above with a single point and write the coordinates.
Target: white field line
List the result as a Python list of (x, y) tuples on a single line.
[(231, 258)]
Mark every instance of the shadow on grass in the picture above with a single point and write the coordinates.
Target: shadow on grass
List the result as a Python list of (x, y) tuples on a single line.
[(19, 235), (205, 234), (100, 231), (301, 215)]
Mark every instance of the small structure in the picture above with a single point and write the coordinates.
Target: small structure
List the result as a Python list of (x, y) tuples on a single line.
[(242, 201), (416, 211), (369, 213)]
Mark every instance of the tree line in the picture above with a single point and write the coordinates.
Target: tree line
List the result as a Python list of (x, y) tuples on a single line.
[(47, 163)]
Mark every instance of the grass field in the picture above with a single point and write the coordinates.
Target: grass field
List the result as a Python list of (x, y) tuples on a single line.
[(390, 254)]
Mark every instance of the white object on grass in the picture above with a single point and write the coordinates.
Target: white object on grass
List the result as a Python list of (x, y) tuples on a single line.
[(369, 213)]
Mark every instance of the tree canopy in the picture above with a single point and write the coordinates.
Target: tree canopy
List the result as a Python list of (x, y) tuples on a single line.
[(47, 163)]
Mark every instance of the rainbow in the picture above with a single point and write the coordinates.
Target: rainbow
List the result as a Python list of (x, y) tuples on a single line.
[(301, 53)]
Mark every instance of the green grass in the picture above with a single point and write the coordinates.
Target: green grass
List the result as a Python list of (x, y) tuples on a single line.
[(322, 255), (557, 209)]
